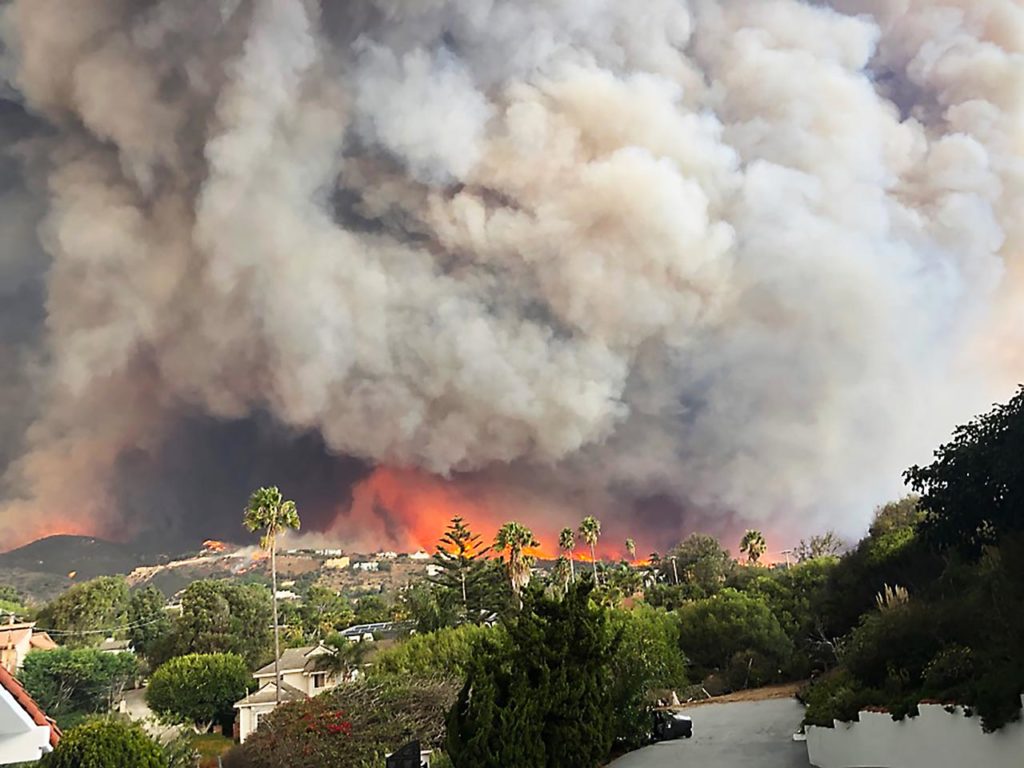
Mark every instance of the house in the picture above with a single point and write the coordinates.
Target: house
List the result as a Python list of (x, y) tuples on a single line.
[(110, 645), (17, 639), (301, 678), (26, 733)]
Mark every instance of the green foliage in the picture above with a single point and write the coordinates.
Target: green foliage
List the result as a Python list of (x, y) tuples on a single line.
[(219, 616), (198, 689), (836, 696), (268, 511), (78, 614), (753, 545), (354, 725), (148, 620), (465, 589), (542, 695), (514, 538), (647, 658), (827, 545), (892, 553), (700, 562), (443, 654), (80, 680), (712, 631), (796, 597), (322, 612), (371, 609), (9, 594), (430, 607), (106, 743), (973, 492)]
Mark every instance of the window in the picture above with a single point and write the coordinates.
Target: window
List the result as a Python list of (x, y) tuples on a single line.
[(319, 679)]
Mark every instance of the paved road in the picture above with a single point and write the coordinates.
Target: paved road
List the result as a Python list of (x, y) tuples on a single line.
[(744, 734)]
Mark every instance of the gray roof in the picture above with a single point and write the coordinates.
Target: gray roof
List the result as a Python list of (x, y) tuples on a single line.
[(292, 660), (266, 695)]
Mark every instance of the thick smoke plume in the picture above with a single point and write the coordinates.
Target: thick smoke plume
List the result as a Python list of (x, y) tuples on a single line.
[(682, 264)]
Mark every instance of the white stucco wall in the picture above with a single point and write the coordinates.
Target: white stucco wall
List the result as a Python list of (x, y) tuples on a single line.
[(247, 717), (21, 740), (933, 739)]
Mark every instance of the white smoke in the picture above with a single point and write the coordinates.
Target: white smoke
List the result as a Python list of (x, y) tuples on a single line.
[(755, 255)]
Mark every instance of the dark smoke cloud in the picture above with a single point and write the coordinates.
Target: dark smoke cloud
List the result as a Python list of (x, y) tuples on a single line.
[(714, 264)]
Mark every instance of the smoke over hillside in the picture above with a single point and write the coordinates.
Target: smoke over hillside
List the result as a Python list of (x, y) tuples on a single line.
[(707, 264)]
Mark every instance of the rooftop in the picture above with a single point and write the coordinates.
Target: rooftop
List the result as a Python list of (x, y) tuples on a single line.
[(266, 695), (27, 703)]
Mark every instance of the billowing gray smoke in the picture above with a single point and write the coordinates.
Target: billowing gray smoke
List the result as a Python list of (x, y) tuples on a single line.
[(742, 260)]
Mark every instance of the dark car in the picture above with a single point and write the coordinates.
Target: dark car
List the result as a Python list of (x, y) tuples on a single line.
[(670, 725)]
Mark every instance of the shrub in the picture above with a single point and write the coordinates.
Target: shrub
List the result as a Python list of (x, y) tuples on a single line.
[(199, 689), (541, 697), (106, 743), (647, 658), (82, 680), (835, 696), (443, 654), (713, 631), (354, 725)]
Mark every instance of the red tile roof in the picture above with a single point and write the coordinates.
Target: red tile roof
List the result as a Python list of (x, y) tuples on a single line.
[(21, 696)]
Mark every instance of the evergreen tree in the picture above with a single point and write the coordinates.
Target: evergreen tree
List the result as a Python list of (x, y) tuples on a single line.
[(540, 698), (462, 558)]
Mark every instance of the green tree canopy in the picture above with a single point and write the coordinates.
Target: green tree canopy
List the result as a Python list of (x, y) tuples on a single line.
[(542, 695), (106, 743), (515, 538), (973, 493), (462, 558), (827, 544), (712, 631), (322, 612), (86, 613), (198, 689), (147, 620), (701, 562), (79, 680), (753, 545), (221, 616)]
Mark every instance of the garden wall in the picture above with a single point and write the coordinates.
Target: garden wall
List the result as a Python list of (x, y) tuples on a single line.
[(934, 739)]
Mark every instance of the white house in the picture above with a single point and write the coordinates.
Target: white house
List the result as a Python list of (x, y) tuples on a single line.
[(301, 678), (26, 733)]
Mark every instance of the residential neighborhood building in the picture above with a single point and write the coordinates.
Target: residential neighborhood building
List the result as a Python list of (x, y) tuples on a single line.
[(301, 678), (17, 639), (337, 563), (26, 733), (110, 645)]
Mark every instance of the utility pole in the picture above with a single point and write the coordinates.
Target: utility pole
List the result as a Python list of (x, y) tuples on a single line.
[(787, 553), (675, 571)]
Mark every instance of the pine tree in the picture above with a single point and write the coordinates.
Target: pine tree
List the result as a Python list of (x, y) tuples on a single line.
[(462, 558)]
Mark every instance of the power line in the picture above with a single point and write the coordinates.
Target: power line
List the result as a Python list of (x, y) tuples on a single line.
[(106, 630)]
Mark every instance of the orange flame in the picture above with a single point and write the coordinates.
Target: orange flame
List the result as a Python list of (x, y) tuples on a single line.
[(214, 546), (423, 504)]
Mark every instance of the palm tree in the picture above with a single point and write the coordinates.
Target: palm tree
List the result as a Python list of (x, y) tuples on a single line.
[(567, 543), (753, 545), (269, 512), (631, 548), (515, 537), (590, 530), (344, 656)]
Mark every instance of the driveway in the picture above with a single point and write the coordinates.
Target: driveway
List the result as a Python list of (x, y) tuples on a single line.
[(745, 734)]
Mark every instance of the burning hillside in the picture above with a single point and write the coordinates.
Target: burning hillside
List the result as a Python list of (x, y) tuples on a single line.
[(713, 265)]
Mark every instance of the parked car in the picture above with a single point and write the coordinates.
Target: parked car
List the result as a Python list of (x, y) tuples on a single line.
[(669, 725)]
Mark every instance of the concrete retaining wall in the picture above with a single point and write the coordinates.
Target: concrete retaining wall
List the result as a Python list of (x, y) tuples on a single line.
[(934, 739)]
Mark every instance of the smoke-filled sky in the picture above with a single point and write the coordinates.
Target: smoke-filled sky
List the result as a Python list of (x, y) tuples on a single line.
[(682, 264)]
